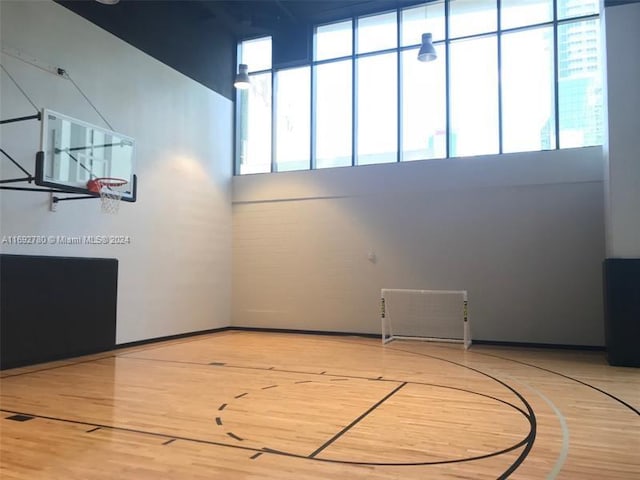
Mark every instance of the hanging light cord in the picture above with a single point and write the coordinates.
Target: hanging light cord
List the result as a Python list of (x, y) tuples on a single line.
[(19, 88)]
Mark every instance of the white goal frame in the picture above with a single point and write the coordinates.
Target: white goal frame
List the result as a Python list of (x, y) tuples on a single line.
[(387, 330)]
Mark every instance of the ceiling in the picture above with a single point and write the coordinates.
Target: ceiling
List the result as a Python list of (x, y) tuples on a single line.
[(240, 18), (199, 37)]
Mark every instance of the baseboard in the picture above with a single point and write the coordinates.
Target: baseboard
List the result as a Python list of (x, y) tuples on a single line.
[(305, 332), (556, 346), (350, 334), (171, 337)]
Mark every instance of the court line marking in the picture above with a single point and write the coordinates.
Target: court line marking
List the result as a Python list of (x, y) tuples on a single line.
[(530, 439), (55, 367), (344, 377), (490, 454), (356, 421), (234, 436), (613, 397), (604, 392), (277, 452), (524, 441), (115, 353), (564, 449)]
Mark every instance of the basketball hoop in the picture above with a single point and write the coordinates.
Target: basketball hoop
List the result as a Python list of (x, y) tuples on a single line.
[(110, 190)]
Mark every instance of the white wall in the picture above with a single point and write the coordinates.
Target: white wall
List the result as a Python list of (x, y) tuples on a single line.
[(175, 274), (622, 148), (523, 233)]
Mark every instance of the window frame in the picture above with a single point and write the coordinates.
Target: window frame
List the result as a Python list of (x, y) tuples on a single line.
[(555, 23)]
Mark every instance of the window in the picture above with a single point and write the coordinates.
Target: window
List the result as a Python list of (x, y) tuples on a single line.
[(377, 120), (474, 97), (333, 114), (580, 104), (528, 121), (519, 13), (253, 109), (293, 119), (471, 17), (377, 32), (424, 106), (511, 76), (334, 40), (425, 18)]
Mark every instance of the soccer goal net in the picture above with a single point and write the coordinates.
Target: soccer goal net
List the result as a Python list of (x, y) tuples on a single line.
[(431, 315)]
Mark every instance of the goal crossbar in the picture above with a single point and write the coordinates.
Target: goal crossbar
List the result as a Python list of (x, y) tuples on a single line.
[(463, 335)]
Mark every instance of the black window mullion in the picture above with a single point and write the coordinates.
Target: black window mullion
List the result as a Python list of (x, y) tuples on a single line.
[(273, 121), (237, 117), (354, 94), (499, 43), (556, 83), (399, 109), (312, 122), (447, 44)]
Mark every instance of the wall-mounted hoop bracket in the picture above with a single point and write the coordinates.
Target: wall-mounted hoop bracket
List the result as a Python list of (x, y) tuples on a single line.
[(53, 188), (37, 116), (73, 153)]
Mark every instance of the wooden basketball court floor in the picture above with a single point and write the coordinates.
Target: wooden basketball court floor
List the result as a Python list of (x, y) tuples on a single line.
[(253, 405)]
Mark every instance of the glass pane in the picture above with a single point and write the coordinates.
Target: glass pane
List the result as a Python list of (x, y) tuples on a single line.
[(293, 123), (577, 8), (253, 141), (423, 19), (474, 97), (424, 116), (333, 102), (256, 54), (528, 113), (468, 17), (333, 41), (378, 32), (580, 84), (517, 13), (377, 109)]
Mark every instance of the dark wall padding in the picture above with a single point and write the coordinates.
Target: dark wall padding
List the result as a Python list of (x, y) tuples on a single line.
[(55, 307), (622, 311)]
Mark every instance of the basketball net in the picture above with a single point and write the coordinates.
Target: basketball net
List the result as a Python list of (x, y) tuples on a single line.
[(110, 191)]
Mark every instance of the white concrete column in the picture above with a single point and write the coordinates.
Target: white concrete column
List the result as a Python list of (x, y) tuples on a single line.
[(622, 144)]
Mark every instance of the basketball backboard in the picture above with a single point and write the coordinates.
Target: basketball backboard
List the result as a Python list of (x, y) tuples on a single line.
[(74, 152)]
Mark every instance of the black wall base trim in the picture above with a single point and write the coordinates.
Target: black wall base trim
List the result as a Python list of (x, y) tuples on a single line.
[(622, 311), (306, 332), (171, 337), (556, 346)]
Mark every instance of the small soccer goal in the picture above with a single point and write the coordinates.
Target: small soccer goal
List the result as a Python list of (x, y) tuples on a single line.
[(428, 315)]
